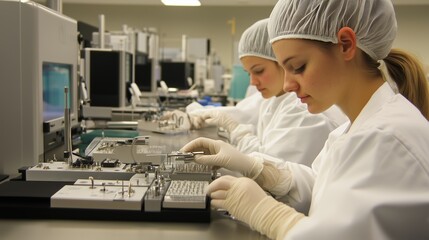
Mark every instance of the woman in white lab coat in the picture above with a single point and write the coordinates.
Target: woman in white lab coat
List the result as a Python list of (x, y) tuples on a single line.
[(282, 116), (371, 179)]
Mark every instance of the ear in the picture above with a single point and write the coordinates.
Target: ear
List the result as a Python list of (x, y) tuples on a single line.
[(347, 41)]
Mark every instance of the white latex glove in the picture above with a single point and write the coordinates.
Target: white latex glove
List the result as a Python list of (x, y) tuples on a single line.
[(274, 179), (173, 117), (247, 202), (167, 115), (222, 154), (197, 121), (220, 119)]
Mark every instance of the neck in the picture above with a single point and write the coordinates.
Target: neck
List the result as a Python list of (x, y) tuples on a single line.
[(358, 95), (281, 93)]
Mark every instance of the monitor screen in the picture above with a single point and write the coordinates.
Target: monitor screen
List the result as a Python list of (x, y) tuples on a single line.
[(143, 76), (176, 74), (55, 78)]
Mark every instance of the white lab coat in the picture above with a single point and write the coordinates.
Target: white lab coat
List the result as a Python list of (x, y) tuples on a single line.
[(285, 130), (370, 181)]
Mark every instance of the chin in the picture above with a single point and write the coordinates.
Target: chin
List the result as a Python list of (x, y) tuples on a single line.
[(314, 109), (266, 95)]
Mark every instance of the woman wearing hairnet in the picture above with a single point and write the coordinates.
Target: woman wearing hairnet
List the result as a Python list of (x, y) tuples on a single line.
[(371, 179), (282, 116)]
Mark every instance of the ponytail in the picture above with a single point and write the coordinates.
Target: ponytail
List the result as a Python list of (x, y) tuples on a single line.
[(408, 74)]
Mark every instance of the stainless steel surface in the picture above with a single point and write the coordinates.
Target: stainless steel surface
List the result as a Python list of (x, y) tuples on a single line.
[(220, 227)]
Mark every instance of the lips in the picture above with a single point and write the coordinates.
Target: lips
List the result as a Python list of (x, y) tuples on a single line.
[(304, 98)]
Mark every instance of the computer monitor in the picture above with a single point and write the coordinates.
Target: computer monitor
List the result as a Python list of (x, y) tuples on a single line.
[(176, 74), (143, 77), (56, 76), (39, 53), (108, 75)]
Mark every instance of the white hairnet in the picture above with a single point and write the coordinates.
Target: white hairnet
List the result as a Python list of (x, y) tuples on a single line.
[(373, 22), (255, 41)]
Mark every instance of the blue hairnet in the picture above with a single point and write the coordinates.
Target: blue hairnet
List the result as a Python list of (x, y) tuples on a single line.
[(255, 42), (373, 22)]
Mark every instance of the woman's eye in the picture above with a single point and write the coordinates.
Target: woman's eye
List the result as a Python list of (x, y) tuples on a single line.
[(259, 71), (299, 69)]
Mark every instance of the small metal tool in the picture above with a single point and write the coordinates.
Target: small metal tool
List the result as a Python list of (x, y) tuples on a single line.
[(188, 156)]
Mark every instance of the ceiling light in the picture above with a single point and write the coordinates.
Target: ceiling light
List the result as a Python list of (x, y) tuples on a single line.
[(181, 2)]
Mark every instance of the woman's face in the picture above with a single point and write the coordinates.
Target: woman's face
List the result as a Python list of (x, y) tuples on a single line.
[(313, 71), (266, 75)]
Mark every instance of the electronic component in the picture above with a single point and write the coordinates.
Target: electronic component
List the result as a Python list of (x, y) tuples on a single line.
[(109, 163), (83, 163), (126, 150), (179, 156), (186, 194), (63, 172), (181, 166), (138, 180), (155, 195), (192, 171), (124, 197), (174, 125)]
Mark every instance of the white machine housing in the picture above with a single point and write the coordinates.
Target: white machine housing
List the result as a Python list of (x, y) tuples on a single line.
[(31, 35)]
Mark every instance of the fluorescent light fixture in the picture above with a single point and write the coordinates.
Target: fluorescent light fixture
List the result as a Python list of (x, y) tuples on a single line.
[(181, 2)]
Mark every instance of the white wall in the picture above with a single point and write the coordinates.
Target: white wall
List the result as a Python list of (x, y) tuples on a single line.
[(413, 31), (211, 22)]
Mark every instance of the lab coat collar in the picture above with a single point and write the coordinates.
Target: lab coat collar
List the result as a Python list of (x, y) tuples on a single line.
[(275, 101), (377, 100)]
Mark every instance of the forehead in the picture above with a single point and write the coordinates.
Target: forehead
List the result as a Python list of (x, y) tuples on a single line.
[(291, 44), (286, 48), (254, 60)]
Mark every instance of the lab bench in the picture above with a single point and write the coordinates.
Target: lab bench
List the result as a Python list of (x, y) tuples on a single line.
[(220, 226)]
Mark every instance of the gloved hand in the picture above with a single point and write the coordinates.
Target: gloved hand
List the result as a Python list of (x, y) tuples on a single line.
[(222, 154), (178, 118), (220, 119), (247, 202), (197, 121), (167, 115), (275, 179)]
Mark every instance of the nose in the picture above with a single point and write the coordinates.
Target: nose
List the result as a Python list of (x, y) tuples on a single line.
[(289, 83), (253, 80)]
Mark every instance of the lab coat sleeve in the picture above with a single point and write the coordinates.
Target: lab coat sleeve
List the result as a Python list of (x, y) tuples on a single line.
[(299, 195), (292, 133), (296, 194), (368, 187), (244, 111), (245, 138), (250, 131)]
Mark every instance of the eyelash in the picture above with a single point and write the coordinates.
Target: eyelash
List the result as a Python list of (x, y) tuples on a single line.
[(259, 72), (299, 70)]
